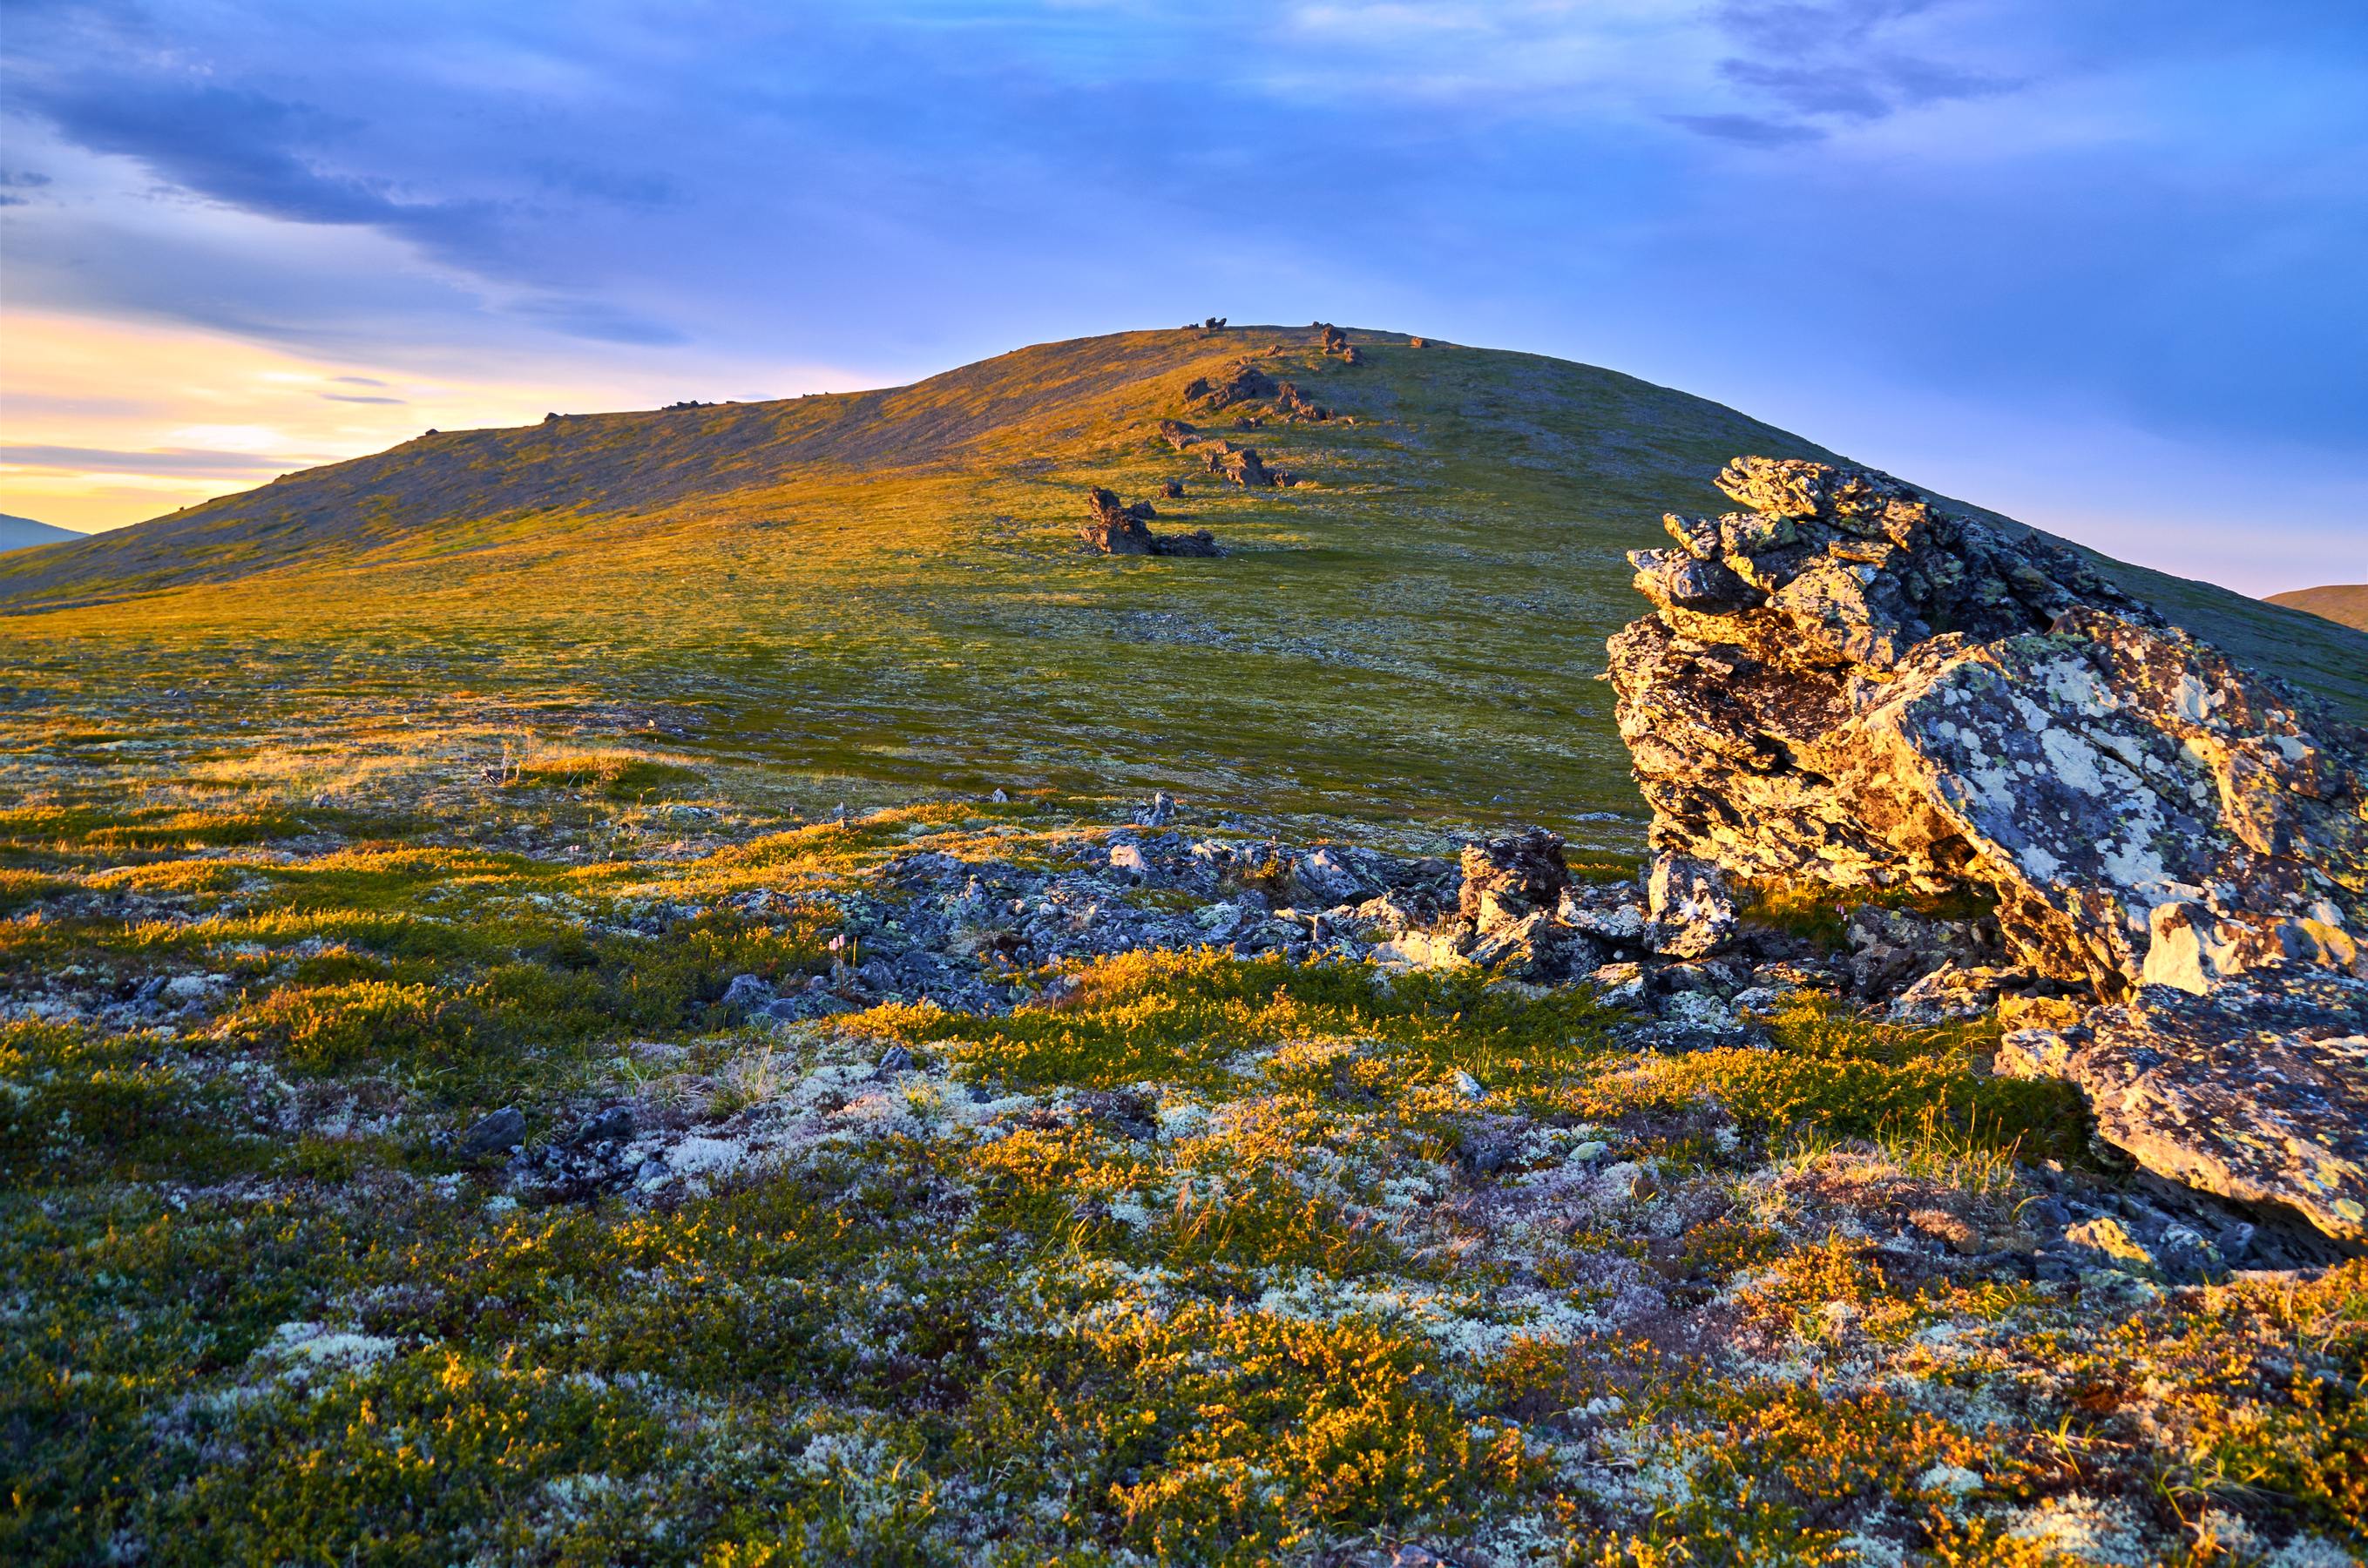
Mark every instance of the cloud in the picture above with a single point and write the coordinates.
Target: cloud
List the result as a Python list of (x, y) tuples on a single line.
[(354, 397), (192, 461), (358, 381), (599, 321), (1749, 129)]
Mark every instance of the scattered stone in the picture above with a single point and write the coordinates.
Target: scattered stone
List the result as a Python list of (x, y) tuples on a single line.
[(1512, 876), (745, 995), (1326, 878), (1292, 407), (1692, 908), (614, 1124), (1242, 466), (1159, 812), (495, 1134), (1127, 860), (1173, 489), (895, 1059)]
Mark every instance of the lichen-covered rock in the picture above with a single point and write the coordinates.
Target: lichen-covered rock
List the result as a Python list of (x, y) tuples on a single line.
[(1849, 686), (2257, 1091), (1692, 908), (1509, 877)]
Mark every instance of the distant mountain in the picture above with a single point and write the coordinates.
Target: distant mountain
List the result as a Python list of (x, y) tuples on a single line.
[(2346, 603), (23, 533)]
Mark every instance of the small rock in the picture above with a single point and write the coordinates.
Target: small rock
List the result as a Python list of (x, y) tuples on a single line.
[(611, 1125), (1327, 878), (2102, 1243), (745, 995), (1623, 984), (497, 1134), (1693, 911), (1467, 1086), (1127, 860), (895, 1059)]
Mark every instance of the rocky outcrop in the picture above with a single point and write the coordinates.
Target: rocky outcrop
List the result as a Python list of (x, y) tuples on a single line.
[(1240, 465), (1849, 686), (1292, 406), (1846, 685), (1244, 381), (1117, 529)]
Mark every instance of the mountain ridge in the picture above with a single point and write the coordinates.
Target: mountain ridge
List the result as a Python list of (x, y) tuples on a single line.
[(26, 533)]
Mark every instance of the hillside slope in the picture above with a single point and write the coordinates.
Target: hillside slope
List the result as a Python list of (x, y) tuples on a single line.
[(884, 589), (2346, 603)]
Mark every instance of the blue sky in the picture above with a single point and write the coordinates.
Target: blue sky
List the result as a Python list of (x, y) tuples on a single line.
[(2098, 264)]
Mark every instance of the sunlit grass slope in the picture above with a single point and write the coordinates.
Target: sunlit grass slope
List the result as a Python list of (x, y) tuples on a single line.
[(884, 589)]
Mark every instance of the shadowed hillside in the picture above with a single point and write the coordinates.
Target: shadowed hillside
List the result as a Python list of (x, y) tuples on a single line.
[(24, 533), (886, 589)]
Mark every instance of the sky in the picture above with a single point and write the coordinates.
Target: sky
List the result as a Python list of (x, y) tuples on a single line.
[(2099, 264)]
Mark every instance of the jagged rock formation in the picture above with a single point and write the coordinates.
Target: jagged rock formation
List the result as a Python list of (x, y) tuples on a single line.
[(1846, 686), (1245, 383), (1239, 465), (1294, 407), (1115, 529)]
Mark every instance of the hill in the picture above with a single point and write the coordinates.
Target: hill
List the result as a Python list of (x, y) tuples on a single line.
[(23, 533), (2346, 603), (881, 591)]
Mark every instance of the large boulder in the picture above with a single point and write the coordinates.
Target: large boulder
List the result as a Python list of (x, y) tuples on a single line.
[(1847, 686), (1854, 688)]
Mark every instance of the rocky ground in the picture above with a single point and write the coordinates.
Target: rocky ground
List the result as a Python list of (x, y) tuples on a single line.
[(985, 1181)]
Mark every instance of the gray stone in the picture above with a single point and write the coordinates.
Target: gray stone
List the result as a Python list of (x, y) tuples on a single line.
[(497, 1134), (745, 995)]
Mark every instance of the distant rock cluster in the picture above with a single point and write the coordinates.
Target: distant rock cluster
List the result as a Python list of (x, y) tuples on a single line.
[(1119, 530), (1844, 686), (1236, 465)]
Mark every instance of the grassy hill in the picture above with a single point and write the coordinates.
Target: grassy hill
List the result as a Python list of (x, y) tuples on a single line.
[(2343, 603), (863, 595)]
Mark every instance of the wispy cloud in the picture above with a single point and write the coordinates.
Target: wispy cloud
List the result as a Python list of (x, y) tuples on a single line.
[(192, 461)]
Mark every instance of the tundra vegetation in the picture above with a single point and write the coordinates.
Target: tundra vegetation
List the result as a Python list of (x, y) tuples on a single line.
[(310, 863)]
